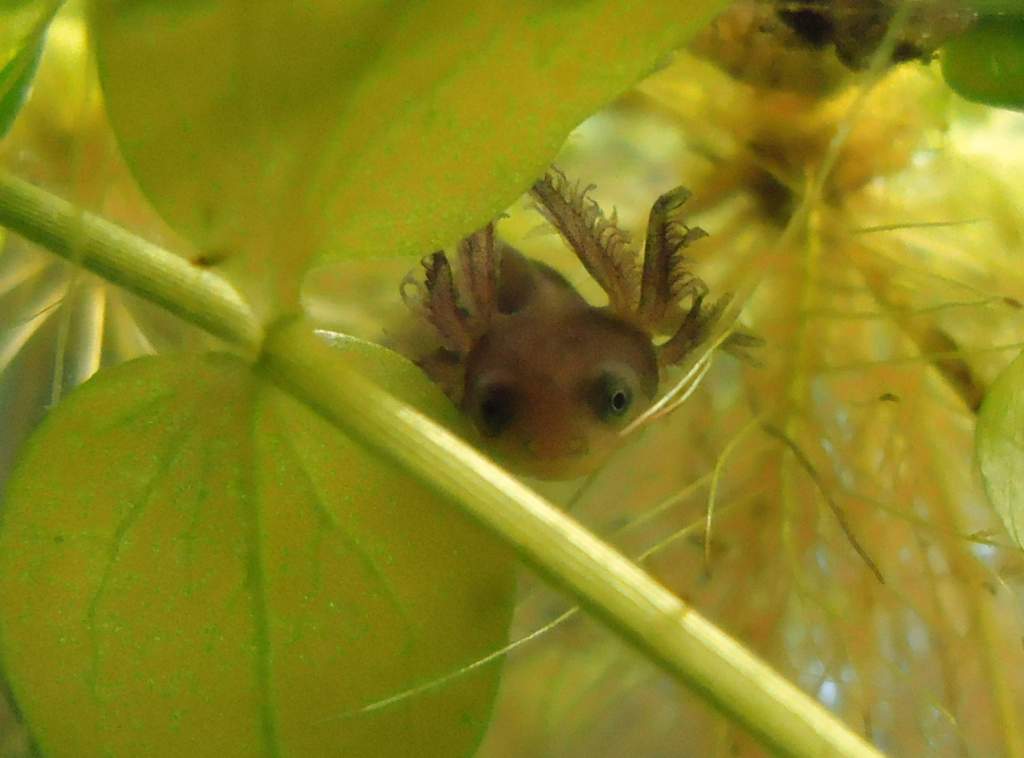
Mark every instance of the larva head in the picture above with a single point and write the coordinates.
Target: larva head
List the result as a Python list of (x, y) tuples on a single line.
[(552, 389)]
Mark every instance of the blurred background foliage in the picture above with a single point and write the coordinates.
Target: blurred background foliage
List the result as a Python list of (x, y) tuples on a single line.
[(877, 221)]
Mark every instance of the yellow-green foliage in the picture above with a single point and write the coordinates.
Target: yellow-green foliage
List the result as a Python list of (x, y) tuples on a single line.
[(195, 563)]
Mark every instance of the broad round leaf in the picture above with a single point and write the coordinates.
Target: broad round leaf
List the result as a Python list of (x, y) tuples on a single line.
[(986, 64), (192, 563), (353, 128), (1000, 443)]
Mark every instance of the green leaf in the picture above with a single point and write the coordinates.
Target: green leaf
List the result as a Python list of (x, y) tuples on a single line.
[(986, 64), (15, 79), (193, 563), (1000, 443), (23, 28), (360, 128)]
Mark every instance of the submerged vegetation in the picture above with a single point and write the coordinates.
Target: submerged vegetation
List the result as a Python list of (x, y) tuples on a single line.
[(265, 549)]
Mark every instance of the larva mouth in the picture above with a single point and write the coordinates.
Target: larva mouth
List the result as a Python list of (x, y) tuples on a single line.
[(575, 448), (579, 460)]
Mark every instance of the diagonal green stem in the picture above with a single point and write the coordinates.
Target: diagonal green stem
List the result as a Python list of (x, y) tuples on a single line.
[(607, 583), (198, 296), (612, 587)]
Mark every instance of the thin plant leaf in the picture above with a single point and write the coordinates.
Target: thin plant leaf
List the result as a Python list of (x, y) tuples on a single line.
[(1000, 444), (22, 39)]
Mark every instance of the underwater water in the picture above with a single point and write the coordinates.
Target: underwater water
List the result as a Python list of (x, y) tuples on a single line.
[(821, 503)]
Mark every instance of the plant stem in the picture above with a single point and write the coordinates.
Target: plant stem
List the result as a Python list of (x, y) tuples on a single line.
[(607, 583), (612, 587), (198, 296)]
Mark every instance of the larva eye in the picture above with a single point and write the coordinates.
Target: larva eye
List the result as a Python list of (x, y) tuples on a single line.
[(496, 409), (611, 397)]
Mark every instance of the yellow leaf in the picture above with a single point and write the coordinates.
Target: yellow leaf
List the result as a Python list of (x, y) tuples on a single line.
[(272, 132)]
